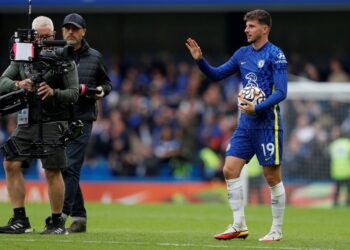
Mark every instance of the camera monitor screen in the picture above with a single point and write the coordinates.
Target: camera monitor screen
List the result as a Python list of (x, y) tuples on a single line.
[(23, 51)]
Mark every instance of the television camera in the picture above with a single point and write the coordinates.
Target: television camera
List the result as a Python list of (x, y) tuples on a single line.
[(27, 45), (47, 55)]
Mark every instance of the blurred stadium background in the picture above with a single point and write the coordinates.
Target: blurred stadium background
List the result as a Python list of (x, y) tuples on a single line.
[(162, 132)]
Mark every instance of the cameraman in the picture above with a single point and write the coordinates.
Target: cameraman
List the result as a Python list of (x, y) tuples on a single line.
[(92, 76), (48, 97)]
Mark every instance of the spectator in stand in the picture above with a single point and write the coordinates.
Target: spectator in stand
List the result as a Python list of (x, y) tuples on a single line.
[(295, 157), (119, 157), (312, 73), (337, 73), (166, 149), (303, 129)]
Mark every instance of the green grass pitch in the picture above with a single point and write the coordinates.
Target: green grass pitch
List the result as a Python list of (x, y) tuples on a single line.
[(182, 226)]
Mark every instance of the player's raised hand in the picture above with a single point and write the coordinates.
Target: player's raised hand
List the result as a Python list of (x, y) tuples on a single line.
[(194, 49)]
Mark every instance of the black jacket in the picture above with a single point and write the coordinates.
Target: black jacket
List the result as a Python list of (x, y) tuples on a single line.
[(92, 72)]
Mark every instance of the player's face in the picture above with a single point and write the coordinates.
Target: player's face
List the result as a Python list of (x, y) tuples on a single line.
[(73, 35), (255, 31)]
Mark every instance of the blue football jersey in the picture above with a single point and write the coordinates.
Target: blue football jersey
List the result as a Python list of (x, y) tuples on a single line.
[(265, 68)]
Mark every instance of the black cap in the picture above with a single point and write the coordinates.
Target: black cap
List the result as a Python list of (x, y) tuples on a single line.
[(75, 19)]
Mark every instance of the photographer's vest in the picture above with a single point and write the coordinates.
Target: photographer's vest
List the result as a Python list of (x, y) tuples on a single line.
[(340, 159)]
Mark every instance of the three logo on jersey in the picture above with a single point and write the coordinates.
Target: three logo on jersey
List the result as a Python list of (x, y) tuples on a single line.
[(252, 79)]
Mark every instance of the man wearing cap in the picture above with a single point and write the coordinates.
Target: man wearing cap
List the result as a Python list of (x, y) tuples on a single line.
[(92, 75)]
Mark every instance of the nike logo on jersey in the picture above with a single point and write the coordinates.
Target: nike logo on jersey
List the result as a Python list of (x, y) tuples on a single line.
[(266, 159), (243, 62)]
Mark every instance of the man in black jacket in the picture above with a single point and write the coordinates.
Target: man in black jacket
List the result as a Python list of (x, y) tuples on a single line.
[(92, 75)]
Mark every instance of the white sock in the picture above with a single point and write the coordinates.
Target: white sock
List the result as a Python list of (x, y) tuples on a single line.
[(278, 204), (235, 198)]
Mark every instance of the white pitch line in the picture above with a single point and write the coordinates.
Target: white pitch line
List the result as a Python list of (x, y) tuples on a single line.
[(184, 245)]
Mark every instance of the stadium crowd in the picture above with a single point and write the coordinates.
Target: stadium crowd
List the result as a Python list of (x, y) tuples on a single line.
[(164, 119)]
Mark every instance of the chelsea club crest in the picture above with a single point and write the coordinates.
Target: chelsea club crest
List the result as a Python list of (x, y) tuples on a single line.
[(261, 63)]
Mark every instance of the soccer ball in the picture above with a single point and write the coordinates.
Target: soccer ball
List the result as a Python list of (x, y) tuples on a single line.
[(252, 94)]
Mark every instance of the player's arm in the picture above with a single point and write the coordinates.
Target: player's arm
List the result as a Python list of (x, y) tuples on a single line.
[(218, 73), (280, 79), (214, 73)]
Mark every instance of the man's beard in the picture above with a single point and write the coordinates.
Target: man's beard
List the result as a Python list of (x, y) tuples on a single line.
[(253, 40), (72, 42)]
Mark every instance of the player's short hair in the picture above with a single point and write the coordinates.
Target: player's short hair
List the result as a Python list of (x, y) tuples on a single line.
[(42, 21), (262, 16)]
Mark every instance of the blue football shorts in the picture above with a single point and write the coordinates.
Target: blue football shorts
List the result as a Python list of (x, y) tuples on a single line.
[(267, 144)]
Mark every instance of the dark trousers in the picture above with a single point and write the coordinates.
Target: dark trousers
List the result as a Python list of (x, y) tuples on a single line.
[(73, 198), (338, 185)]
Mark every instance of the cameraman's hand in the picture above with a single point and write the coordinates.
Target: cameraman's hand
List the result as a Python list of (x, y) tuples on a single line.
[(45, 90), (99, 96), (26, 84)]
